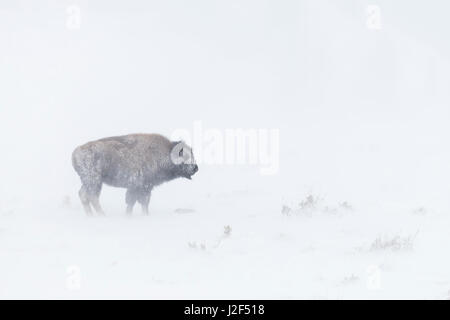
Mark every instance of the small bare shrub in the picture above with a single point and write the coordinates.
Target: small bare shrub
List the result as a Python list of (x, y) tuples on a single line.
[(345, 205), (202, 245), (313, 205), (195, 245), (395, 243), (285, 210), (227, 231), (350, 279)]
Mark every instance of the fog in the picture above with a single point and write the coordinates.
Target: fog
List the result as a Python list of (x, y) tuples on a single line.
[(361, 107)]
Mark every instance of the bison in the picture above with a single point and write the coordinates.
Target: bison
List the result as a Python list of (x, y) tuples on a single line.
[(136, 162)]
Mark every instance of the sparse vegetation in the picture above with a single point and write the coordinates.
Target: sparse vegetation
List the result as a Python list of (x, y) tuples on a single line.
[(227, 231), (345, 205), (350, 279), (195, 245), (285, 210), (202, 245), (312, 205), (394, 243), (184, 210)]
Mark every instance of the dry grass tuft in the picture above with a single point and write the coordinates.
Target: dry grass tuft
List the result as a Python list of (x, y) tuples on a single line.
[(394, 243)]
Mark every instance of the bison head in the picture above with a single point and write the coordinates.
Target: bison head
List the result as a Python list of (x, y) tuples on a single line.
[(183, 159)]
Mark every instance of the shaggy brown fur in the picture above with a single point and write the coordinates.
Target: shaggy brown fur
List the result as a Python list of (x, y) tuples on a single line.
[(137, 162)]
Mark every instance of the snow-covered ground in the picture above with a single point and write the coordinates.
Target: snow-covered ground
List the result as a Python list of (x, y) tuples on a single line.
[(230, 245), (359, 207)]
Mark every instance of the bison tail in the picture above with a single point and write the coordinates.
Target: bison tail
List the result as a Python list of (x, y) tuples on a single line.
[(77, 162)]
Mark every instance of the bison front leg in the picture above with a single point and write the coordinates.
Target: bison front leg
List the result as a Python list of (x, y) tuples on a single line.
[(130, 198), (144, 200), (137, 195)]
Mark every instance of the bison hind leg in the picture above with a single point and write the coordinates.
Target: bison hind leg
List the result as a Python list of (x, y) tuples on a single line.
[(84, 197), (89, 195)]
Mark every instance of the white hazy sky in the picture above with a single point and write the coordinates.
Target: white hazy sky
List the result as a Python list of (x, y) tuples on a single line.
[(359, 111)]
